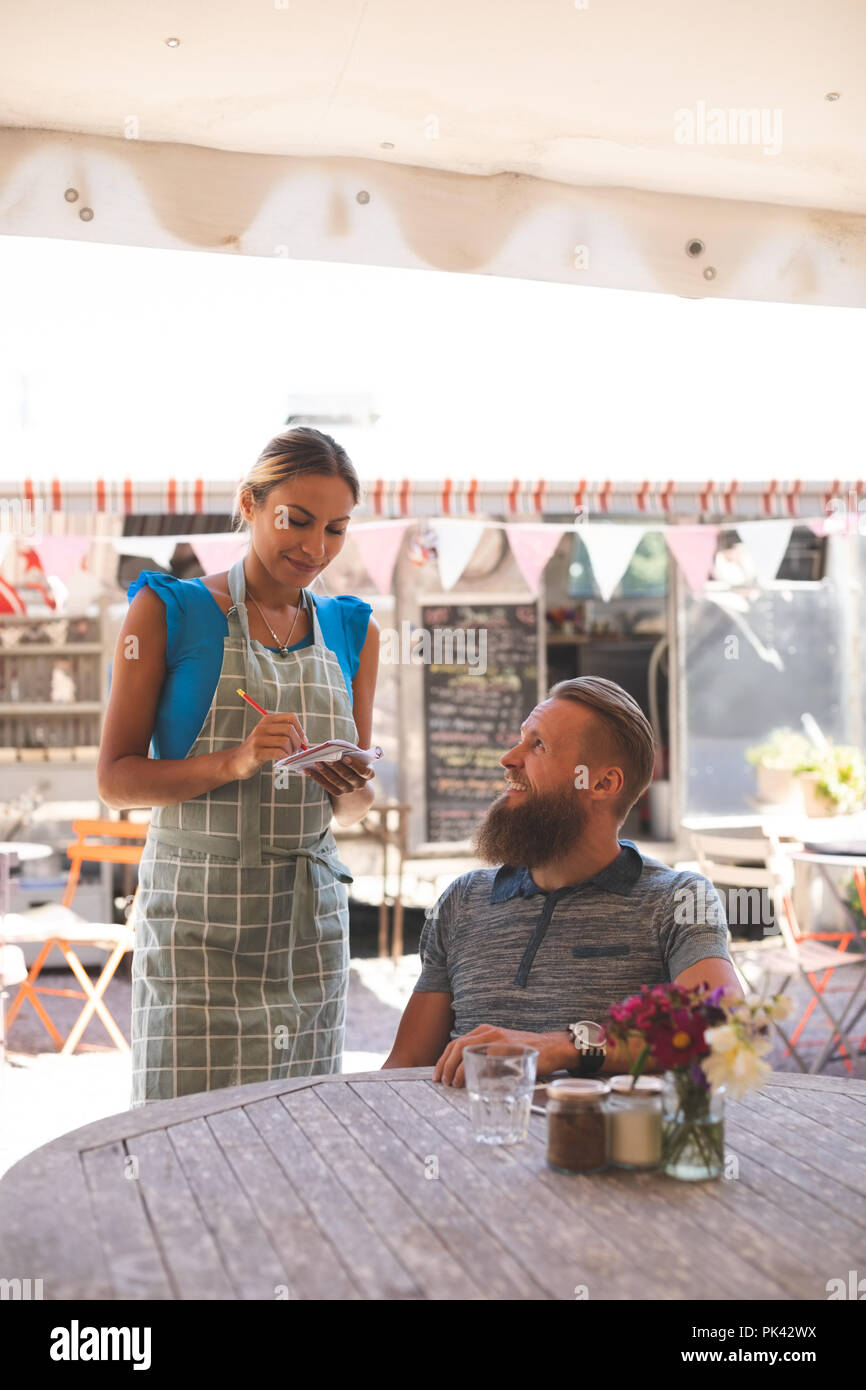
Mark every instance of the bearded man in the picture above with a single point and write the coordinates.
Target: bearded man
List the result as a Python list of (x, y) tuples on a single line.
[(572, 919)]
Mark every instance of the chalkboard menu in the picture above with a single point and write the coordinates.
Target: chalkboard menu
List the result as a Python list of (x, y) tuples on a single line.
[(472, 714)]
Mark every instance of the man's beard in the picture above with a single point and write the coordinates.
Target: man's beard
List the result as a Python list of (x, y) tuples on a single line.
[(541, 828)]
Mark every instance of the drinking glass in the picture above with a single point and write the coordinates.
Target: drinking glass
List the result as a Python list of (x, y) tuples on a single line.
[(500, 1078)]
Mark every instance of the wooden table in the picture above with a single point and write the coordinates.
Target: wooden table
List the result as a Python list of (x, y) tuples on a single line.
[(371, 1186)]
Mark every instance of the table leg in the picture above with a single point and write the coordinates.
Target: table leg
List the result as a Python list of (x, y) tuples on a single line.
[(822, 869), (397, 942), (383, 906)]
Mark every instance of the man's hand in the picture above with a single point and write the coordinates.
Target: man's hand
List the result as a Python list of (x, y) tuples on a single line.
[(555, 1050)]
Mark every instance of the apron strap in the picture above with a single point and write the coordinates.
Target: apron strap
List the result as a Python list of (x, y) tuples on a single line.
[(303, 889), (226, 846), (303, 894)]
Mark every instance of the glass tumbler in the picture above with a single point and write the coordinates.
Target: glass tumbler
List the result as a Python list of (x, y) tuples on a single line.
[(500, 1079)]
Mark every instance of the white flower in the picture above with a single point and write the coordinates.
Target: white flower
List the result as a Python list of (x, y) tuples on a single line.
[(741, 1014), (739, 1069), (722, 1039)]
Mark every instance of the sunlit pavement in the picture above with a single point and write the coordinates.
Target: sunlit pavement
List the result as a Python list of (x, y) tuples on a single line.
[(44, 1095)]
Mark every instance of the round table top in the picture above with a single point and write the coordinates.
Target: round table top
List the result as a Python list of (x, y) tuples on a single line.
[(813, 856), (371, 1185), (26, 849)]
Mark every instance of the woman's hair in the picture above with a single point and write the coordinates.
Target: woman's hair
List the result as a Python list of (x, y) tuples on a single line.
[(289, 455)]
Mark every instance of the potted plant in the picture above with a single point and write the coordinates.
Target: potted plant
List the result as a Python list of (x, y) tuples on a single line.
[(775, 762), (833, 780)]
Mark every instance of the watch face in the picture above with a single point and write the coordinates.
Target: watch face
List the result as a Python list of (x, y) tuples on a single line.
[(588, 1034)]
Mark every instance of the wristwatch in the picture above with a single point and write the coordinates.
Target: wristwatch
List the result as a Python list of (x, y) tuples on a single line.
[(590, 1040)]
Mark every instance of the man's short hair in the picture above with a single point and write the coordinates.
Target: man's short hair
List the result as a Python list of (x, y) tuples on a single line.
[(629, 732)]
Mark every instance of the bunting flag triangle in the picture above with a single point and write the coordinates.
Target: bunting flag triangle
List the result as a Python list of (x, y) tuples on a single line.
[(455, 544), (158, 548), (766, 542), (378, 547), (83, 590), (532, 547), (217, 553), (610, 549), (693, 548), (61, 555)]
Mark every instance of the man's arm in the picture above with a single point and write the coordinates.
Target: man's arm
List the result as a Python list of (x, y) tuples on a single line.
[(714, 971), (423, 1032), (556, 1050)]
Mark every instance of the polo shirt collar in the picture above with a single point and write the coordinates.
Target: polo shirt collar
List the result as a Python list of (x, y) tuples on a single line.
[(620, 876)]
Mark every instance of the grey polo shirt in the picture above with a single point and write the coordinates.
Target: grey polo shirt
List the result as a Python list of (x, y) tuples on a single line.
[(513, 955)]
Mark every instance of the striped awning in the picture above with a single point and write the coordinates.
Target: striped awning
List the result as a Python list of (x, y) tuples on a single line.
[(67, 505)]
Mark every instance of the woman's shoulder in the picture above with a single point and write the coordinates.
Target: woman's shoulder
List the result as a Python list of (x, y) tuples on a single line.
[(347, 604), (345, 620), (346, 611), (184, 595), (191, 615)]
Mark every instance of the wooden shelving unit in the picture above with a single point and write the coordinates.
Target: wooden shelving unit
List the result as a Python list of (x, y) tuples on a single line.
[(29, 669), (65, 764)]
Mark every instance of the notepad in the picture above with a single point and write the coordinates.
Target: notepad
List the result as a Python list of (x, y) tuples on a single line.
[(330, 752)]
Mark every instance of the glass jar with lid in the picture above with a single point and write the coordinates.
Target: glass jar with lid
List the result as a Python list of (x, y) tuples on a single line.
[(577, 1125), (634, 1111)]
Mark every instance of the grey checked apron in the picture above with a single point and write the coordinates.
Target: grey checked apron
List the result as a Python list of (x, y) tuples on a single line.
[(241, 962)]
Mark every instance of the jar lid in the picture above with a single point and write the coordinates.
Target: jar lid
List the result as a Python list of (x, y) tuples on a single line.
[(645, 1087), (577, 1089)]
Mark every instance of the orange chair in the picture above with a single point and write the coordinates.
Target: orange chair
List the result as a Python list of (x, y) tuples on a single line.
[(30, 926), (762, 864)]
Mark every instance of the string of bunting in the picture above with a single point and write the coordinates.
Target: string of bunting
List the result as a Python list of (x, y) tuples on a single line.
[(610, 543)]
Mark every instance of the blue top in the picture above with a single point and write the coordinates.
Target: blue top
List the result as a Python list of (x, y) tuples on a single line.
[(196, 631)]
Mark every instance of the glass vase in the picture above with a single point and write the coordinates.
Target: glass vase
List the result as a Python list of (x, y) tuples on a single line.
[(693, 1129)]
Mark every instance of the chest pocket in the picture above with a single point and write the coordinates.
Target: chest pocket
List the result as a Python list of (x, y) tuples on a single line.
[(621, 948)]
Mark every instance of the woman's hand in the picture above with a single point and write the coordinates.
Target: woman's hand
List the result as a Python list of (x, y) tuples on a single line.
[(347, 782), (275, 736), (342, 777)]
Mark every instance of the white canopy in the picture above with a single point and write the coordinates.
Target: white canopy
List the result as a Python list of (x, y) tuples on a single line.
[(566, 140)]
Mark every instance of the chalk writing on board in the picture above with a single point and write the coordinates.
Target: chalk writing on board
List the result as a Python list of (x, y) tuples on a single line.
[(471, 719)]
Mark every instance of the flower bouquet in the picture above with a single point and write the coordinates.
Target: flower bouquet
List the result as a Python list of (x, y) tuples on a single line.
[(709, 1042)]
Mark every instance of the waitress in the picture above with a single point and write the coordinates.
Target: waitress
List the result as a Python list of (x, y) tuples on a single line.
[(240, 969)]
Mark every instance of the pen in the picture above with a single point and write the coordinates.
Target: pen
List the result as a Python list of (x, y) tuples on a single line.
[(250, 701)]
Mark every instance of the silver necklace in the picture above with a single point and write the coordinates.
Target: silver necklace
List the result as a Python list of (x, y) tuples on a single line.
[(282, 646)]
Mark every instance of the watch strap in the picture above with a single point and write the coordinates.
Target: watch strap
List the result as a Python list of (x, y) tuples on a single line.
[(590, 1061)]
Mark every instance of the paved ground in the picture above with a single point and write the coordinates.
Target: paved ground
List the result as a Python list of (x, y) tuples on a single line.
[(44, 1095)]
